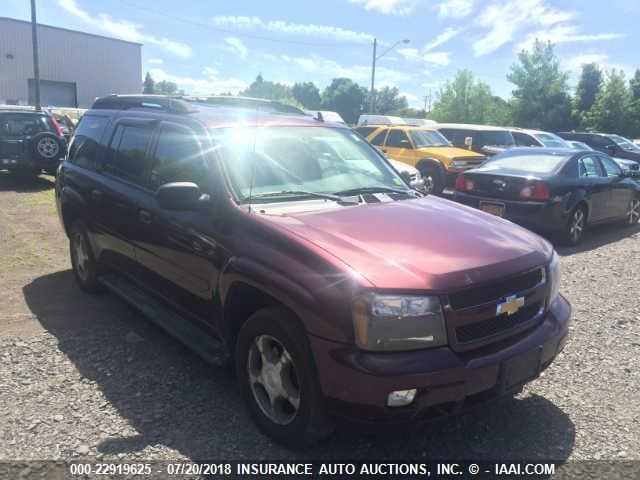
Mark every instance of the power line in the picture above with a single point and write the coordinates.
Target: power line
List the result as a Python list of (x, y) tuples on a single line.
[(224, 30)]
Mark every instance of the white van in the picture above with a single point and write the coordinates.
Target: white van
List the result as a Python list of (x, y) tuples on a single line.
[(379, 120)]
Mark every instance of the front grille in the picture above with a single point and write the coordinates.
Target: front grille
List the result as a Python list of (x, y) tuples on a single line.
[(496, 325), (496, 290)]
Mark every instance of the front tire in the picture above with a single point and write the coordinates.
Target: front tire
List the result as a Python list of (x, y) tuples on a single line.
[(433, 180), (633, 214), (278, 379), (574, 230), (85, 268)]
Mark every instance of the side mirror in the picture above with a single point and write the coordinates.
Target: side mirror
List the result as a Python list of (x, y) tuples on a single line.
[(610, 148), (406, 176), (468, 142), (178, 196)]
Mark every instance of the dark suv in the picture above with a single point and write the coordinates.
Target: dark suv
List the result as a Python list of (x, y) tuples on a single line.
[(292, 247), (611, 144), (30, 142)]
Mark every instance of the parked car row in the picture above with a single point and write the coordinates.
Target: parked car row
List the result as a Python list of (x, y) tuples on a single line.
[(292, 246)]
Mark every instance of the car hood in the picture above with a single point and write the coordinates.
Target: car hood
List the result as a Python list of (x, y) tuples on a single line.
[(449, 152), (422, 244)]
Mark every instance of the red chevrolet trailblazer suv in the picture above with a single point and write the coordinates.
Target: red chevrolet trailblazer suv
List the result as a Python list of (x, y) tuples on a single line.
[(293, 248)]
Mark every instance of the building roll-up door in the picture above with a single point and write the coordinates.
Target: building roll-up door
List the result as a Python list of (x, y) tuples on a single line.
[(54, 94)]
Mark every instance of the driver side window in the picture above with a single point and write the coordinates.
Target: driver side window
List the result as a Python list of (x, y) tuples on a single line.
[(398, 139), (178, 157), (589, 167)]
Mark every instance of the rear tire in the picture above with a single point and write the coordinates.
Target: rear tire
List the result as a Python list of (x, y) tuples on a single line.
[(433, 181), (85, 268), (576, 224), (278, 379)]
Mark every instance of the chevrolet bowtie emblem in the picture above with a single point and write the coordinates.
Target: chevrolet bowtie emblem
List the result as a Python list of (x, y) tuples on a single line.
[(500, 183), (510, 306)]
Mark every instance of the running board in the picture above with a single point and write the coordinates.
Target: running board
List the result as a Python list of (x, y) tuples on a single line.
[(199, 340)]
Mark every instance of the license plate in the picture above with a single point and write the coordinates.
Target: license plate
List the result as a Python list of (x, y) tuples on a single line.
[(521, 369), (493, 208)]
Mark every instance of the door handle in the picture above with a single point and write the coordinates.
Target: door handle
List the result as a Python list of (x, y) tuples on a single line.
[(96, 195), (384, 150), (144, 216)]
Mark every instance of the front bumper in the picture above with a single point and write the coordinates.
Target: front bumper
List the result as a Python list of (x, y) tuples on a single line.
[(356, 383)]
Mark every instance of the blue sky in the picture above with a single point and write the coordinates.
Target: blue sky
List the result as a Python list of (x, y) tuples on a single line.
[(218, 46)]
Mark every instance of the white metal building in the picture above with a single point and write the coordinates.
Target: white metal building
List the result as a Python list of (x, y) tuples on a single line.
[(75, 67)]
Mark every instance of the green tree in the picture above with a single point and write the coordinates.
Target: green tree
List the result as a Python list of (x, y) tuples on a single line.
[(165, 87), (408, 112), (588, 87), (345, 97), (611, 111), (466, 100), (261, 88), (388, 99), (148, 86), (634, 84), (307, 94), (541, 97)]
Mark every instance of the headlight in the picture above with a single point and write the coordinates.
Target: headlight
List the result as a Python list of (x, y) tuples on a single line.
[(554, 277), (459, 163), (398, 322)]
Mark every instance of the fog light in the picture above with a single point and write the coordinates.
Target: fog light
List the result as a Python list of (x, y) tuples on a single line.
[(400, 398)]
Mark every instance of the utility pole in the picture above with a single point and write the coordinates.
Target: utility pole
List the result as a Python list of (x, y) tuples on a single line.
[(372, 101), (36, 67)]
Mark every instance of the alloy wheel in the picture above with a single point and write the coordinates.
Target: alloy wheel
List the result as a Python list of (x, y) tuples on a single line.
[(428, 183), (47, 147), (81, 256), (633, 215), (273, 380), (577, 225)]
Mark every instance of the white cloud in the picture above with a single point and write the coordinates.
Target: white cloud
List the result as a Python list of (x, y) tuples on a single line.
[(327, 69), (503, 20), (565, 34), (280, 26), (211, 84), (437, 58), (455, 8), (237, 46), (125, 30), (155, 61), (444, 37), (409, 53), (575, 63), (388, 7)]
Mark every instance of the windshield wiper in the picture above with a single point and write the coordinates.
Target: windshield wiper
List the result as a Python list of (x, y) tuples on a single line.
[(358, 191), (300, 193)]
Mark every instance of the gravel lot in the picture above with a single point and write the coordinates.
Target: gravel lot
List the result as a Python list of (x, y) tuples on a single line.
[(85, 377)]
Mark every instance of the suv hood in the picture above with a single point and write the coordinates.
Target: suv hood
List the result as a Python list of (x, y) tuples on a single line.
[(450, 152), (422, 244)]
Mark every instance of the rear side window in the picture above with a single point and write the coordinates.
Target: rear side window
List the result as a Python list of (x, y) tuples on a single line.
[(178, 158), (589, 167), (85, 145), (598, 141), (611, 168), (524, 140), (128, 152), (378, 140), (23, 124), (365, 131), (456, 137), (398, 139)]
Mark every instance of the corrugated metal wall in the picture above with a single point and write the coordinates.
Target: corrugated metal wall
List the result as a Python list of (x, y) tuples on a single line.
[(97, 65)]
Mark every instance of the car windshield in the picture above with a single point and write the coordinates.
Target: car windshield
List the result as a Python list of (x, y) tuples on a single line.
[(624, 143), (496, 138), (536, 163), (428, 138), (552, 141), (317, 160)]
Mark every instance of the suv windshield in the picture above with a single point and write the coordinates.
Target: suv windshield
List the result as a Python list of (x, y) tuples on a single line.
[(624, 143), (320, 160), (428, 138), (551, 140)]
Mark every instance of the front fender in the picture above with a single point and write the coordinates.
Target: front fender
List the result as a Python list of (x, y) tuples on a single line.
[(322, 312)]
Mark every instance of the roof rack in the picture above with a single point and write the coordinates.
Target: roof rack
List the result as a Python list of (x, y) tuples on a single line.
[(155, 102)]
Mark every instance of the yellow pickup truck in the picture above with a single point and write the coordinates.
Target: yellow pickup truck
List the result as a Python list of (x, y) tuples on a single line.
[(425, 149)]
